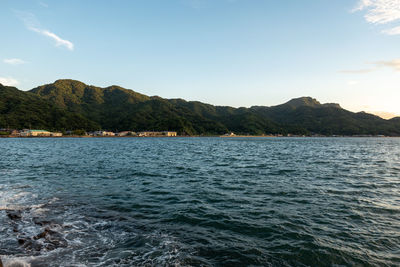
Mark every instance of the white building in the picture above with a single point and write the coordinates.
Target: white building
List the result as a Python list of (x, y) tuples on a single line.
[(126, 133), (157, 134), (103, 133)]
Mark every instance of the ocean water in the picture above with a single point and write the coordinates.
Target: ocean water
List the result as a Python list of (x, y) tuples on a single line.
[(200, 202)]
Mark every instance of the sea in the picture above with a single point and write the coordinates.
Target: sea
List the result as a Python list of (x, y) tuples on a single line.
[(200, 201)]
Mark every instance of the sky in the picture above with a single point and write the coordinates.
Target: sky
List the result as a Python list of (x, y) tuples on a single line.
[(223, 52)]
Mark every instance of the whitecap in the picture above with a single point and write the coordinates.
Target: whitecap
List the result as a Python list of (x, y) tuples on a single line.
[(15, 262)]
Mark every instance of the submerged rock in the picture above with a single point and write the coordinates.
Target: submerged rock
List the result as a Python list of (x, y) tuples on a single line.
[(14, 215), (51, 239), (47, 239), (30, 245), (41, 222)]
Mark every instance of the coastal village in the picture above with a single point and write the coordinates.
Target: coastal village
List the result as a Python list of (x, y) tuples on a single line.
[(45, 133), (80, 133)]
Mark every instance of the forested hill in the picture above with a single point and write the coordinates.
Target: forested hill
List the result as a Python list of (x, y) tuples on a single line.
[(19, 109), (70, 105)]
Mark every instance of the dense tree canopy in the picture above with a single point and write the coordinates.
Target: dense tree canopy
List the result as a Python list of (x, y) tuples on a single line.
[(73, 105)]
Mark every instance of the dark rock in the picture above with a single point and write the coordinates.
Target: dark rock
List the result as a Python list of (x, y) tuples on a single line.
[(52, 239), (43, 234), (14, 214), (32, 245), (41, 222), (50, 247)]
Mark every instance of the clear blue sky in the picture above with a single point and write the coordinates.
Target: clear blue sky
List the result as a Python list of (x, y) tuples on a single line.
[(223, 52)]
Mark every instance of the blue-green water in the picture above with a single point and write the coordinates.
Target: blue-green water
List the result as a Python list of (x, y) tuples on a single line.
[(200, 201)]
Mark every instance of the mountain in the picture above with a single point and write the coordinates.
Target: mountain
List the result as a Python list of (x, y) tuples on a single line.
[(327, 119), (306, 102), (70, 104), (20, 110), (74, 94), (301, 102), (116, 108)]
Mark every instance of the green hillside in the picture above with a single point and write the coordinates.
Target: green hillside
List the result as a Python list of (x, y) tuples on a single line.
[(19, 109), (116, 108), (327, 119), (69, 104)]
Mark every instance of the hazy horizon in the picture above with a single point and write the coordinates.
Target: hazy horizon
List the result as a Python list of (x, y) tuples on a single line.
[(227, 52)]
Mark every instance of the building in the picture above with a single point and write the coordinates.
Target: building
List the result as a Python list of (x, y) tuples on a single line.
[(157, 134), (103, 133), (35, 133), (126, 133), (39, 133), (169, 134)]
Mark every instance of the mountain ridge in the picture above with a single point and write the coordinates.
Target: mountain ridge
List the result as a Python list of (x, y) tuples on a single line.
[(116, 108)]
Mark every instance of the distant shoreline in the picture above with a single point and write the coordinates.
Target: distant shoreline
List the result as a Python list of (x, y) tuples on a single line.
[(194, 136), (89, 107)]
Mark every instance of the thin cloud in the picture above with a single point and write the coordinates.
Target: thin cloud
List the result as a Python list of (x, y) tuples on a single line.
[(33, 24), (394, 64), (27, 18), (381, 12), (392, 31), (8, 81), (14, 61), (59, 41)]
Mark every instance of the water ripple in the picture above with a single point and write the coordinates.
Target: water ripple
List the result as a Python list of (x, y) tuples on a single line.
[(200, 201)]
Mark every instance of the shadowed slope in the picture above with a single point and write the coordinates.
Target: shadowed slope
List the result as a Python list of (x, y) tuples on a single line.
[(115, 108), (20, 109)]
